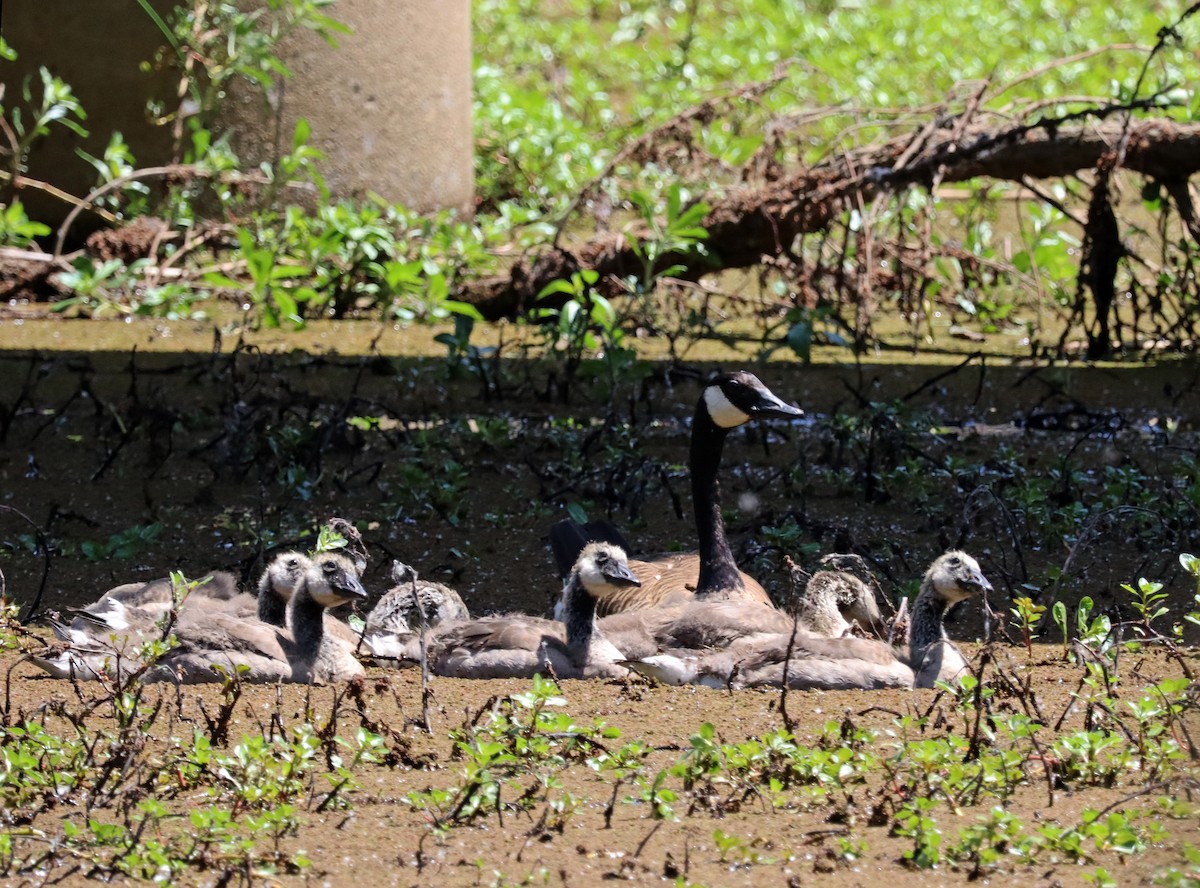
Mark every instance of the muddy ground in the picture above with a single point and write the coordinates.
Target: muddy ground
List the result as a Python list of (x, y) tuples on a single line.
[(125, 464)]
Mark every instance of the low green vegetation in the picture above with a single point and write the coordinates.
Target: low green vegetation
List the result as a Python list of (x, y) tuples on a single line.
[(119, 783)]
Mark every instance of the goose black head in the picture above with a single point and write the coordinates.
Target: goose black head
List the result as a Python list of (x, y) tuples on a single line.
[(732, 399), (333, 580), (956, 576)]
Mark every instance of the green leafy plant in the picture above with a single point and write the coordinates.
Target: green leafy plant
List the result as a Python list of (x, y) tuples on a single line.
[(671, 228), (1093, 631), (128, 543), (1191, 564), (25, 123), (658, 796), (1028, 615), (461, 354), (17, 229), (986, 844), (914, 820), (523, 738), (213, 44), (96, 287), (1059, 612), (1147, 599), (586, 323)]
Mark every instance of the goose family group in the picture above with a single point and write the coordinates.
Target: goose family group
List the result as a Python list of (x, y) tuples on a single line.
[(680, 618)]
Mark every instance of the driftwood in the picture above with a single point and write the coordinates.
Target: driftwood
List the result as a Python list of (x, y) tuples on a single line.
[(754, 223)]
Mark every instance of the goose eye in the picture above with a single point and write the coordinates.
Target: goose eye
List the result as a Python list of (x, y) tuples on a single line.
[(329, 568)]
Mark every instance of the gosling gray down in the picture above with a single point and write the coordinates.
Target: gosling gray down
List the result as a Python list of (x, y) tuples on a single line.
[(305, 652), (825, 605), (840, 663), (518, 646), (730, 400), (394, 622), (139, 607), (229, 637), (283, 572), (837, 598)]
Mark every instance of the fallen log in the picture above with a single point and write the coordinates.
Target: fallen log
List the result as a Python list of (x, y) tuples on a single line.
[(752, 223)]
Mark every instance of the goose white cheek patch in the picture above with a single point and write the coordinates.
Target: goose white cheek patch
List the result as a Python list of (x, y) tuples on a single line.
[(721, 409), (591, 576)]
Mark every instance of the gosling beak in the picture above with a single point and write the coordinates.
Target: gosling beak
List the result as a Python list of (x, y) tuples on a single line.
[(620, 574), (348, 587)]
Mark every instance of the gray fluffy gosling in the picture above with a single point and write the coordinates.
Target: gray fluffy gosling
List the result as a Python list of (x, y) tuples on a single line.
[(518, 646), (840, 663)]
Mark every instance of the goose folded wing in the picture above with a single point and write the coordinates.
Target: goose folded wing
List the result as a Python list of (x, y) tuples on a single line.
[(234, 635), (504, 633)]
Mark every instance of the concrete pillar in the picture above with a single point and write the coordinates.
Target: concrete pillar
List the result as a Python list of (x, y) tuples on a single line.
[(96, 48), (389, 106)]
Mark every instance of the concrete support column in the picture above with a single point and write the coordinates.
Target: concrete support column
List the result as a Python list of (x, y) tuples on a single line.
[(96, 48), (389, 106)]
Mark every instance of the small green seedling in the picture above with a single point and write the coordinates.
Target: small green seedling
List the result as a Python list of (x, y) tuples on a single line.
[(1028, 616)]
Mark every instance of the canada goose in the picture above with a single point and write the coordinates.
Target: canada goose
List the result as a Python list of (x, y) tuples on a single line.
[(208, 637), (518, 646), (730, 400), (840, 663), (394, 622)]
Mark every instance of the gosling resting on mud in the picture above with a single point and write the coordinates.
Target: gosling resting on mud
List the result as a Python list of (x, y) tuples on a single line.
[(806, 662)]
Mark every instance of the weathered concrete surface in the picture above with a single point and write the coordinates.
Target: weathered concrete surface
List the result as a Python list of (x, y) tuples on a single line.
[(389, 106), (96, 47)]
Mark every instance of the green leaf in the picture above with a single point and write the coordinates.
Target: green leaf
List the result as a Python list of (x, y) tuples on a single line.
[(558, 286), (300, 136), (799, 339), (465, 309)]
